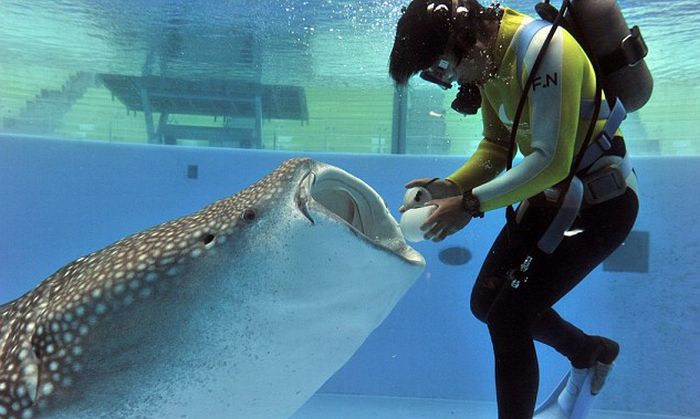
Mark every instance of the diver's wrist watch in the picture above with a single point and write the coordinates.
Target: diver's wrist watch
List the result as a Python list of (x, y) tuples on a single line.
[(471, 204)]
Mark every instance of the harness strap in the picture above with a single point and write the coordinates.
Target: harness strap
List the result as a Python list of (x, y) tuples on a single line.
[(626, 166), (588, 106), (604, 140), (565, 217), (571, 204), (600, 187)]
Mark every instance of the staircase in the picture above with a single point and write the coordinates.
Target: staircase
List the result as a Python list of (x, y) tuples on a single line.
[(43, 114)]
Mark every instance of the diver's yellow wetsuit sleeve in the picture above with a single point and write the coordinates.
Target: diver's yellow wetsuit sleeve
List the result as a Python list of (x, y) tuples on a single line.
[(552, 116), (490, 157)]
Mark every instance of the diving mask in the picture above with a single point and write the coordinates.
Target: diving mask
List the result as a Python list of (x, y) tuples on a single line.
[(441, 73), (468, 100)]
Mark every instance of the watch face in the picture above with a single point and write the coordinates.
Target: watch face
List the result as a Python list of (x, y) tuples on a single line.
[(468, 202), (471, 204)]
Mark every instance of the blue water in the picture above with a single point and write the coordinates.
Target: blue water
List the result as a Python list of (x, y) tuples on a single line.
[(302, 42), (65, 199)]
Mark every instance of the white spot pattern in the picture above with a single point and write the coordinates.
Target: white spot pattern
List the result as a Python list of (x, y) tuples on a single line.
[(41, 333)]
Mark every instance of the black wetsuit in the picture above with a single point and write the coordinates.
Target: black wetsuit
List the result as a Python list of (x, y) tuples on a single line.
[(516, 316)]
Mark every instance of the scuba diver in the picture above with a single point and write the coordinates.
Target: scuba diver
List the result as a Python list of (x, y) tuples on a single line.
[(575, 186)]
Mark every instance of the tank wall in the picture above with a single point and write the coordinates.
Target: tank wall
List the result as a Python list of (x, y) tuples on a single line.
[(63, 199)]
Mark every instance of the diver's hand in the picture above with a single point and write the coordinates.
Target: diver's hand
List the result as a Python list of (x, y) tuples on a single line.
[(441, 188), (449, 218)]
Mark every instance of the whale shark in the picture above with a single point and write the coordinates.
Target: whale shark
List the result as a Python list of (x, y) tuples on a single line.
[(240, 310)]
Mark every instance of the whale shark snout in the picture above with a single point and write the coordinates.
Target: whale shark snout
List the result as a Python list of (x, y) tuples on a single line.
[(240, 310)]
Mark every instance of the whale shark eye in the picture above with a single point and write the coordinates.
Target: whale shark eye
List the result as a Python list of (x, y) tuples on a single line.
[(249, 215)]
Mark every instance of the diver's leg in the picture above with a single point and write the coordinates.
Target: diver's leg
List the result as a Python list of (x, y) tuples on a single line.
[(514, 352), (517, 372), (511, 319), (511, 316), (582, 350), (515, 359), (492, 276), (609, 224), (605, 226), (505, 254), (549, 328)]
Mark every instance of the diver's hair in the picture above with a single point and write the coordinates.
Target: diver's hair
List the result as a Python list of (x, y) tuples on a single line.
[(423, 31)]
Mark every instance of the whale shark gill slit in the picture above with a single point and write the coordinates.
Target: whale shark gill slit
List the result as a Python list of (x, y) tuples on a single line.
[(302, 195)]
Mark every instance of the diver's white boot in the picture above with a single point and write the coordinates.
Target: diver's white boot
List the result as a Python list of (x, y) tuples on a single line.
[(577, 386), (549, 409), (575, 394)]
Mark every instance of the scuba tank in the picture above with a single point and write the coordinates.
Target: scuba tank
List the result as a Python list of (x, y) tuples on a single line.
[(600, 28)]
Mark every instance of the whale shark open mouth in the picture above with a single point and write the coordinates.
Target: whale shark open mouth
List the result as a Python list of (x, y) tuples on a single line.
[(347, 199)]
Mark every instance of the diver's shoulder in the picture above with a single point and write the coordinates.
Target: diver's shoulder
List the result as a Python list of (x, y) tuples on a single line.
[(510, 14)]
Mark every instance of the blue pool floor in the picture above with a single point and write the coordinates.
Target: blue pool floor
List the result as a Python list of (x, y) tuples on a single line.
[(324, 406)]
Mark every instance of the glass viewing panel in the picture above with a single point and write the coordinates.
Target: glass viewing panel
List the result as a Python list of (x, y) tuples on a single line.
[(296, 75)]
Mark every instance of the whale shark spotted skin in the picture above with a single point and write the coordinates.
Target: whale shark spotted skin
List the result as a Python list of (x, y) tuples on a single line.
[(241, 310)]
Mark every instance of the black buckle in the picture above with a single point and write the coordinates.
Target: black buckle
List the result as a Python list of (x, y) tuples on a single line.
[(517, 277), (631, 52), (633, 47), (604, 184)]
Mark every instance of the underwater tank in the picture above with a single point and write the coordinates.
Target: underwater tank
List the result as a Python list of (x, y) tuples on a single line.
[(116, 117)]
